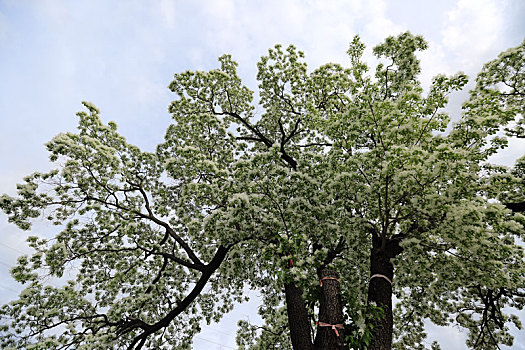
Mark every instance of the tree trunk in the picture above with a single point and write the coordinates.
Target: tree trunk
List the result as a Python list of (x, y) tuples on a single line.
[(380, 290), (297, 318), (330, 333), (518, 207)]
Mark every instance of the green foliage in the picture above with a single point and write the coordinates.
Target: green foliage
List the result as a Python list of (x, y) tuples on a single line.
[(233, 198), (358, 326), (274, 335)]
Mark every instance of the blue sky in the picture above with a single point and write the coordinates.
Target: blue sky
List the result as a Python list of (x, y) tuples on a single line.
[(121, 55)]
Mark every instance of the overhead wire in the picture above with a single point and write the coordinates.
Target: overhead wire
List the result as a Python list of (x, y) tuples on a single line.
[(12, 248), (213, 342), (9, 288)]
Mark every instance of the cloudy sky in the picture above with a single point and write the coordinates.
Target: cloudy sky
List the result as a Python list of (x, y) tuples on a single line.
[(121, 55)]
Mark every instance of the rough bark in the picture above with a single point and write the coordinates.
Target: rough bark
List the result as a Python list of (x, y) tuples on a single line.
[(297, 318), (380, 289), (148, 329), (330, 313), (516, 207)]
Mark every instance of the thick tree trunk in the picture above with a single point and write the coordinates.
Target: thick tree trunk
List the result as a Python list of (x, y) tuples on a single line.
[(380, 293), (516, 207), (298, 318), (380, 290), (330, 333)]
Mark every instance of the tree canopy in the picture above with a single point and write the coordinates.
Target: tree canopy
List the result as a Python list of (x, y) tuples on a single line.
[(338, 169)]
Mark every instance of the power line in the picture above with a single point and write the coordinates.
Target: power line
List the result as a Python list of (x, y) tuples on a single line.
[(218, 331), (8, 288), (211, 341), (3, 263), (13, 248)]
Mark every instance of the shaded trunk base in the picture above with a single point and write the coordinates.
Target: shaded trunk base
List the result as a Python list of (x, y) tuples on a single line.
[(380, 290), (297, 318), (330, 330)]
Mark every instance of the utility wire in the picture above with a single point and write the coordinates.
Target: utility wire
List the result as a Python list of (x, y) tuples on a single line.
[(211, 341), (218, 331), (13, 248), (9, 288), (5, 264)]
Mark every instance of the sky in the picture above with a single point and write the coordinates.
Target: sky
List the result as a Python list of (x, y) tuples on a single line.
[(121, 56)]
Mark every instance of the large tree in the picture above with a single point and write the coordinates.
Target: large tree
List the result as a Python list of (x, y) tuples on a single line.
[(358, 180)]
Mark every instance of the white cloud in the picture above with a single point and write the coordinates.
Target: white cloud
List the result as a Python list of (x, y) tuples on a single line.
[(472, 29), (379, 26), (221, 10), (247, 29), (509, 155), (434, 62), (454, 340)]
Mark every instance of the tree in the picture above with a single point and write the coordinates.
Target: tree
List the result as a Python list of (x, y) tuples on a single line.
[(359, 182), (500, 85)]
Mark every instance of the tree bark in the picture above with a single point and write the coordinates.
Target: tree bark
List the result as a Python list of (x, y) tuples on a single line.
[(297, 318), (330, 314), (516, 207), (380, 289), (126, 326)]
